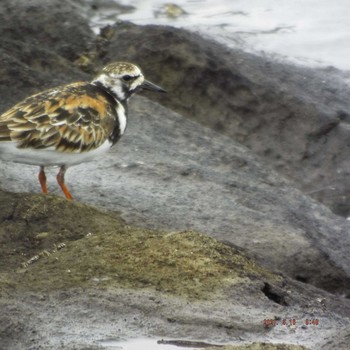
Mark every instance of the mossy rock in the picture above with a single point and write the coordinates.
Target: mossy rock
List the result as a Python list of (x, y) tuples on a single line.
[(49, 243)]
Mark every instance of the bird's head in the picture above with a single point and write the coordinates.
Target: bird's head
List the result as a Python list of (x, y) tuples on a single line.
[(123, 79)]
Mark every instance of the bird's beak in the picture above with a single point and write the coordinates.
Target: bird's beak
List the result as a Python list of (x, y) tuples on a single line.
[(147, 85)]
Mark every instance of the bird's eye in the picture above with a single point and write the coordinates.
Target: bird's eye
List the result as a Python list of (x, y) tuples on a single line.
[(127, 77)]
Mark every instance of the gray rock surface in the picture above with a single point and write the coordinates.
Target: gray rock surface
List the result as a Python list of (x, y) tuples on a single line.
[(296, 118), (38, 47), (169, 172), (66, 320)]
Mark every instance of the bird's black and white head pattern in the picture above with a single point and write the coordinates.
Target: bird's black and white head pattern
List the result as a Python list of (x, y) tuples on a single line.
[(120, 79)]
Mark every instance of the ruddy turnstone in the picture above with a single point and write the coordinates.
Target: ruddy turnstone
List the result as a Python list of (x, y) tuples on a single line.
[(71, 124)]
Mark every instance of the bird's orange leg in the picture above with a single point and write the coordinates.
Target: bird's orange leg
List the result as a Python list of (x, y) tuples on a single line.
[(60, 180), (42, 179)]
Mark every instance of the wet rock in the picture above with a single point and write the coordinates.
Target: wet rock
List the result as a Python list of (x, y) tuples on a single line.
[(296, 118)]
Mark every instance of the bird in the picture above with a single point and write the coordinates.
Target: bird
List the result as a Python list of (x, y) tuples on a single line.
[(71, 124)]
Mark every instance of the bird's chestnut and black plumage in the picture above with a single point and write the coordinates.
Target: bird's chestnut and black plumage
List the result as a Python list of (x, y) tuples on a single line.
[(71, 124)]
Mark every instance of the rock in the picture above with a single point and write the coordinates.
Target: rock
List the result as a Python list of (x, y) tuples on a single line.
[(168, 172), (94, 279), (37, 49), (199, 180), (262, 346), (66, 32), (203, 181), (84, 277), (296, 118)]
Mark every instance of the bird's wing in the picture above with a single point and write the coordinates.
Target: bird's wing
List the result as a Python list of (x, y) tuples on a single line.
[(74, 118)]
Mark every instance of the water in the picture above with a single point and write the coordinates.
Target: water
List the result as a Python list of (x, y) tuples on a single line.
[(139, 343), (309, 32)]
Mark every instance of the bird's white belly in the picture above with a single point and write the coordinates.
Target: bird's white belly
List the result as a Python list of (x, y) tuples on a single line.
[(49, 156)]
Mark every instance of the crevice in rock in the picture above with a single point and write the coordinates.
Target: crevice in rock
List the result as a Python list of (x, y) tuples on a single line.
[(273, 294), (301, 279)]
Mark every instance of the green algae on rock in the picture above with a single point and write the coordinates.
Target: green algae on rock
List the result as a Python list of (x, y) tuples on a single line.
[(70, 245)]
